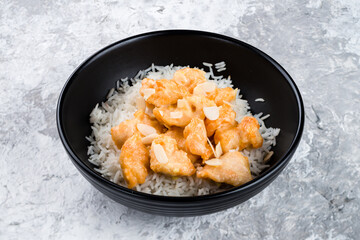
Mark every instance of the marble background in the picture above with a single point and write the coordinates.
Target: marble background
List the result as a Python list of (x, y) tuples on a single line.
[(43, 196)]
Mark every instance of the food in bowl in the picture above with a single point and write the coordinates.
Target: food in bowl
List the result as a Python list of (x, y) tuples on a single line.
[(178, 131)]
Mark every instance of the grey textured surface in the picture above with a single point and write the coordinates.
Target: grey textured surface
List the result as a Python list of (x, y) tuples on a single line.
[(42, 195)]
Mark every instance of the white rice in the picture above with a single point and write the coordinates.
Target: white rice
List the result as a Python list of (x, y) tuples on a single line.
[(221, 69), (259, 100), (121, 105), (220, 66)]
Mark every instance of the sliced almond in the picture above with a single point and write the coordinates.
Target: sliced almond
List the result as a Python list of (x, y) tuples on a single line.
[(140, 103), (212, 148), (149, 112), (161, 113), (199, 91), (268, 156), (208, 86), (149, 138), (176, 114), (226, 102), (218, 150), (213, 162), (160, 153), (232, 150), (148, 92), (212, 113), (145, 129), (204, 88)]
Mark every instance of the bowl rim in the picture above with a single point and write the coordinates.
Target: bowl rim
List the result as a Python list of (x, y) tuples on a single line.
[(258, 180)]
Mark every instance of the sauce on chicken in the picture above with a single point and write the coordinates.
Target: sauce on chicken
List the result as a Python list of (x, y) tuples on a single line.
[(183, 120)]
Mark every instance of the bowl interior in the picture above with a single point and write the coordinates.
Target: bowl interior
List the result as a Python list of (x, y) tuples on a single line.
[(254, 73)]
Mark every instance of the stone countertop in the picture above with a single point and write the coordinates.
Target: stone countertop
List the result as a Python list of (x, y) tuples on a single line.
[(43, 196)]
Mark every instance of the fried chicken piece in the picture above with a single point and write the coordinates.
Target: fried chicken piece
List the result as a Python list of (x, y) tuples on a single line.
[(189, 77), (166, 158), (134, 161), (146, 83), (128, 128), (196, 139), (174, 115), (181, 114), (245, 135), (228, 137), (162, 92), (226, 120), (233, 169), (222, 94), (198, 103), (178, 135), (249, 133)]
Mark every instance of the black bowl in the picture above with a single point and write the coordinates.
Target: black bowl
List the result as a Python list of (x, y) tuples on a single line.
[(254, 72)]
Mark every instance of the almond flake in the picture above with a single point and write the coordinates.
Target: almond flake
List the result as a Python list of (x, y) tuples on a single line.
[(213, 162), (149, 112), (176, 115), (268, 156), (204, 88), (212, 148), (199, 91), (148, 92), (208, 86), (145, 129), (212, 113), (161, 113), (160, 154), (149, 138), (226, 102), (218, 150)]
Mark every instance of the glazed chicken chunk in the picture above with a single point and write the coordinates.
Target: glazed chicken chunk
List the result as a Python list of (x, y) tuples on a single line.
[(178, 135), (175, 115), (162, 92), (249, 133), (222, 95), (189, 77), (226, 120), (232, 168), (128, 128), (181, 114), (134, 161), (166, 158), (245, 135), (196, 139)]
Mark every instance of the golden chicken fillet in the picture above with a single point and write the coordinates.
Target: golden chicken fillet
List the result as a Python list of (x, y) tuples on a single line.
[(196, 139), (134, 161), (166, 158), (226, 120), (175, 115), (162, 92), (178, 135), (249, 133), (232, 168), (245, 135), (189, 77), (222, 94), (181, 114), (128, 128)]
